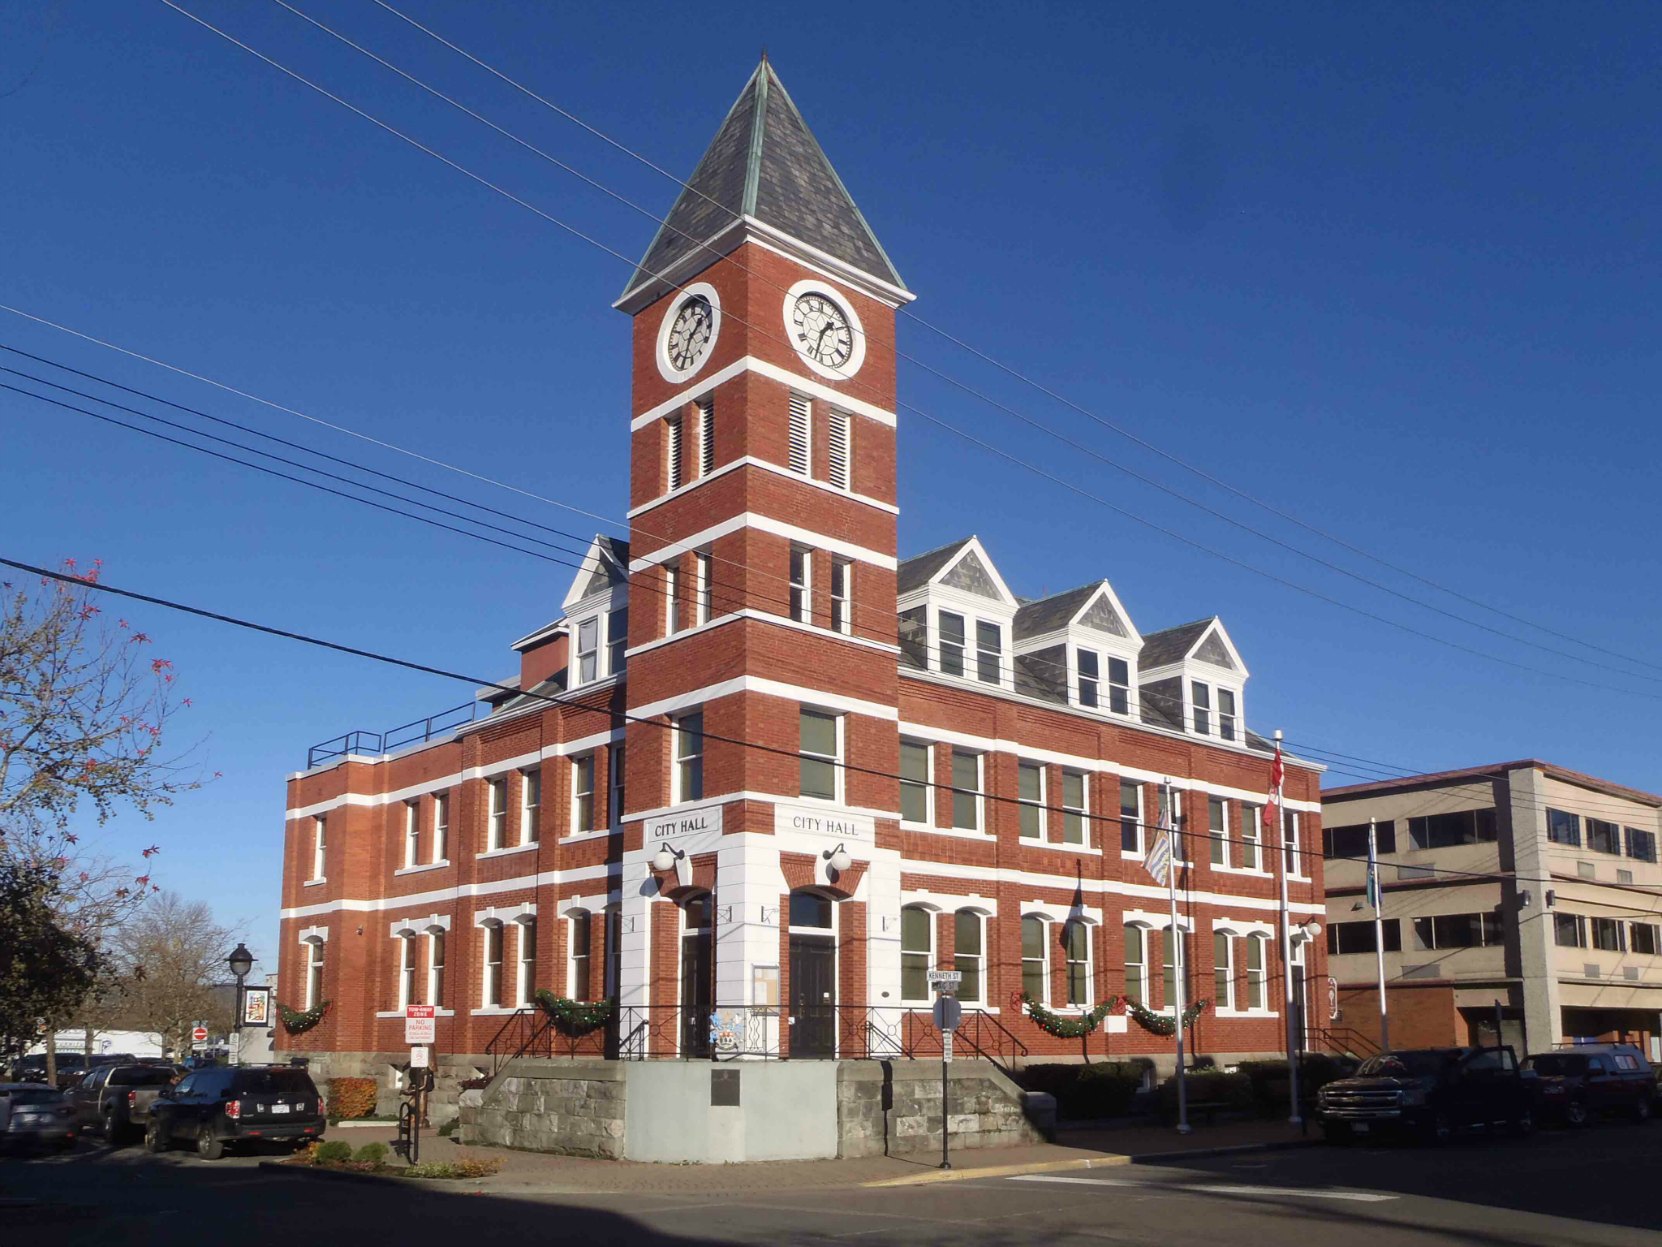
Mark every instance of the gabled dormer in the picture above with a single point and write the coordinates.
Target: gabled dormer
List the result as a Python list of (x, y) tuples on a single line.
[(1192, 679), (1080, 648), (597, 613), (957, 615)]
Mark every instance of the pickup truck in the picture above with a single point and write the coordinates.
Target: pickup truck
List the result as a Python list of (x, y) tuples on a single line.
[(1428, 1093), (115, 1099)]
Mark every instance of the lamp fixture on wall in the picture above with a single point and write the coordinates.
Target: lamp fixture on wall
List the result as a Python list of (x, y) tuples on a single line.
[(838, 859), (666, 857)]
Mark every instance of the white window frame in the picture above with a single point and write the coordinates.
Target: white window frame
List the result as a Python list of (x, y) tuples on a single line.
[(1069, 962), (1082, 682), (1217, 838), (706, 435), (801, 579), (1228, 723), (980, 792), (1292, 844), (672, 598), (1142, 823), (979, 957), (1043, 959), (927, 783), (588, 650), (315, 952), (1139, 990), (674, 473), (962, 646), (441, 827), (701, 587), (1252, 836), (1200, 716), (580, 763), (616, 793), (437, 942), (1000, 667), (1125, 690), (1182, 959), (617, 647), (1223, 973), (525, 961), (490, 979), (842, 596), (496, 814), (1082, 811), (577, 984), (836, 759), (678, 761), (1035, 804), (1258, 981), (799, 447), (412, 833), (320, 848), (406, 969), (931, 917), (839, 467), (530, 806)]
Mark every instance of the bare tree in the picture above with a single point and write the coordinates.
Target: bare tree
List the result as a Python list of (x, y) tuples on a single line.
[(170, 966), (83, 707)]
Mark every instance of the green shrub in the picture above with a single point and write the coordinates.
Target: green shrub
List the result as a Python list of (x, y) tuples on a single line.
[(1088, 1091), (332, 1152), (371, 1153), (1232, 1092), (351, 1098), (450, 1127), (1269, 1080)]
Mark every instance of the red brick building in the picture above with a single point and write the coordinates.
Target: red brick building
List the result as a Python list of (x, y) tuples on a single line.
[(764, 769)]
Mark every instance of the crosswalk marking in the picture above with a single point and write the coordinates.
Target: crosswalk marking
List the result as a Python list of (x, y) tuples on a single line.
[(1298, 1192)]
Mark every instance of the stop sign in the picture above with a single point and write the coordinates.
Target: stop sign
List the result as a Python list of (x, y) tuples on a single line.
[(199, 1035)]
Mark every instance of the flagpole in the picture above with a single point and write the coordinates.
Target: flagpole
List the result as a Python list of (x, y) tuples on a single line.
[(1177, 960), (1376, 896), (1296, 1118)]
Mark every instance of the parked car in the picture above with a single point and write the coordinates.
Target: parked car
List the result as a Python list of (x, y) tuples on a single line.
[(104, 1099), (220, 1107), (1429, 1093), (35, 1114), (1573, 1085)]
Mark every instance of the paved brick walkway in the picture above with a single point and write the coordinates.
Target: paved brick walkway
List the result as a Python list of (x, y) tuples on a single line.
[(535, 1172)]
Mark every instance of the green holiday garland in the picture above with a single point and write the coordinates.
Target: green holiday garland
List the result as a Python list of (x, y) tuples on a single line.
[(575, 1017), (1069, 1028), (299, 1021), (1162, 1023)]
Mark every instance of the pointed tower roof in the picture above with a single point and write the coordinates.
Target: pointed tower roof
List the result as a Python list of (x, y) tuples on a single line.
[(765, 165)]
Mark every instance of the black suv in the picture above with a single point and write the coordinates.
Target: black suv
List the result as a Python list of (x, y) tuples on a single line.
[(1574, 1084), (215, 1108), (1428, 1092)]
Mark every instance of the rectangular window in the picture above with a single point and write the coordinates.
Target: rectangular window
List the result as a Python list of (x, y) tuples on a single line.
[(496, 827), (800, 440), (617, 640), (707, 435), (966, 954), (1074, 811), (689, 758), (912, 632), (818, 732), (412, 833), (1351, 842), (952, 643), (1119, 686), (314, 974), (1603, 837), (1179, 949), (441, 827), (1564, 828), (320, 845), (915, 782), (1292, 861), (802, 575), (989, 652), (1642, 937), (588, 651), (530, 807), (491, 988), (406, 971), (1131, 817), (1252, 837), (1443, 831), (577, 977), (435, 967), (1076, 940), (1226, 714), (1641, 844), (1456, 931), (1030, 790), (1569, 930), (1344, 938), (582, 793), (842, 578), (1223, 970), (1201, 697), (527, 982), (672, 452), (1257, 972), (966, 790), (1035, 973), (1089, 673), (917, 946), (1136, 963), (841, 450), (1607, 935), (1217, 829), (672, 599), (617, 773), (701, 587)]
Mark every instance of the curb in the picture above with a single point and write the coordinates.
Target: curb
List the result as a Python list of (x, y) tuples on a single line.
[(1090, 1162), (347, 1175)]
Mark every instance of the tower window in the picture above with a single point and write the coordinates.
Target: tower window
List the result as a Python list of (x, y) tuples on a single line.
[(842, 576), (672, 451), (800, 440), (1089, 676), (841, 449), (707, 435), (802, 571)]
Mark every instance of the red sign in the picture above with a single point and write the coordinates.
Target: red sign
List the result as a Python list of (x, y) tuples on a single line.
[(199, 1035), (420, 1024)]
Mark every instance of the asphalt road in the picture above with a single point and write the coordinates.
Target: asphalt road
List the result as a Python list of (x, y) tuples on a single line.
[(1558, 1189)]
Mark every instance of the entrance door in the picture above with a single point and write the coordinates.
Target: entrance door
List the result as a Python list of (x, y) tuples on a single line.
[(698, 978), (813, 996)]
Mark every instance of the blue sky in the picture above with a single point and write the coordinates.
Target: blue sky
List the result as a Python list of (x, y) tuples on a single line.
[(1393, 271)]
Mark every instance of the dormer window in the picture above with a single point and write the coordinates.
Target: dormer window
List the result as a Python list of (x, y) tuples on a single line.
[(989, 652), (1088, 665), (1204, 700), (952, 643), (1200, 698), (1226, 714), (617, 639), (588, 650)]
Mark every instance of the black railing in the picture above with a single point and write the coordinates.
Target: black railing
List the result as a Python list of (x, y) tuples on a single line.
[(1344, 1040), (818, 1032), (404, 734)]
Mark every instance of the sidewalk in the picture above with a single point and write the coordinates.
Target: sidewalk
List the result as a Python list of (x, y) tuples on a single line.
[(538, 1173)]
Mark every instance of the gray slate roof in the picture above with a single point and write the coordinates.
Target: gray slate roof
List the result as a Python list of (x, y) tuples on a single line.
[(1160, 648), (764, 162), (915, 572), (1049, 614)]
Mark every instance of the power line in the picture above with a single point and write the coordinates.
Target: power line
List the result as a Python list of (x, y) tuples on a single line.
[(1007, 369)]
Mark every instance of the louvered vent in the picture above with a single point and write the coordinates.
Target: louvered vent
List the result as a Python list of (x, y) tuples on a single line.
[(672, 450), (841, 449), (799, 434), (707, 436)]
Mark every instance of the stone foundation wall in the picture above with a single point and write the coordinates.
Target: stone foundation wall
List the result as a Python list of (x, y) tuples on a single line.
[(575, 1109), (894, 1107), (387, 1070)]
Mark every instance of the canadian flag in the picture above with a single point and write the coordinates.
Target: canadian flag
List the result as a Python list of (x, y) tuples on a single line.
[(1277, 775)]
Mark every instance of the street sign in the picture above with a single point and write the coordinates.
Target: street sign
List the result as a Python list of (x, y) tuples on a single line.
[(199, 1035), (420, 1057), (420, 1024), (948, 1013), (946, 1047), (945, 980)]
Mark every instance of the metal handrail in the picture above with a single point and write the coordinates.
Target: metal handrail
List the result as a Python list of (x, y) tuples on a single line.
[(1346, 1039), (361, 741)]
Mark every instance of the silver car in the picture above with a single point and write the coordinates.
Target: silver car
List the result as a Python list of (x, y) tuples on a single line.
[(35, 1115)]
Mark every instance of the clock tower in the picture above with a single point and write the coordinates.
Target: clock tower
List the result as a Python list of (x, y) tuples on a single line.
[(761, 810)]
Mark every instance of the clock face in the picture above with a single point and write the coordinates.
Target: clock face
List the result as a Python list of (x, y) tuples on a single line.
[(690, 333), (821, 330)]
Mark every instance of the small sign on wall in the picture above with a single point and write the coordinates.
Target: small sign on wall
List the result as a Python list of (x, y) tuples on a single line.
[(764, 988)]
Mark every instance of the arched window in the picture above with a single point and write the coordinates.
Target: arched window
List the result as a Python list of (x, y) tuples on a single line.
[(1223, 969), (490, 993), (435, 965), (1136, 962), (810, 911), (1035, 958), (917, 952), (577, 954), (968, 943), (406, 969), (1257, 971), (1179, 949), (1076, 946), (526, 983)]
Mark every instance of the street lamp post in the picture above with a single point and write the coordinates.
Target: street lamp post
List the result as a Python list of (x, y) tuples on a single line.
[(241, 961)]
